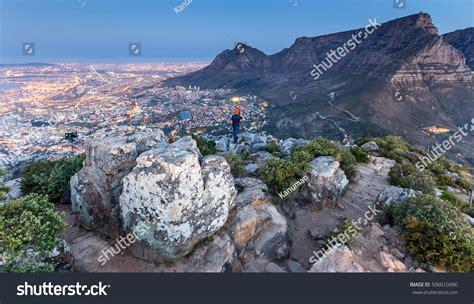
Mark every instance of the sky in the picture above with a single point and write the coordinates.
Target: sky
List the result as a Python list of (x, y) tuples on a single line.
[(101, 30)]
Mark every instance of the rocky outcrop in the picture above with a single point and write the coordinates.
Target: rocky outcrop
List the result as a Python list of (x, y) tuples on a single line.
[(392, 195), (326, 181), (340, 259), (96, 188), (290, 144), (370, 146), (176, 199), (253, 190), (463, 40), (258, 229), (248, 142), (397, 72)]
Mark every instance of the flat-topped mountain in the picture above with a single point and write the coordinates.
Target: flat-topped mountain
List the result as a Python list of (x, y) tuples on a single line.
[(401, 77)]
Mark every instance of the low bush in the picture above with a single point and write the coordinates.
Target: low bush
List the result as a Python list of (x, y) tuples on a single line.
[(206, 147), (3, 188), (272, 147), (360, 154), (236, 162), (405, 176), (50, 178), (29, 227), (280, 174), (436, 232)]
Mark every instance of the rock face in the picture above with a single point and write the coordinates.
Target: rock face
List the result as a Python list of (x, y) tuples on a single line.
[(392, 195), (290, 144), (370, 146), (175, 199), (248, 142), (341, 259), (258, 229), (463, 40), (95, 190), (326, 181), (405, 55)]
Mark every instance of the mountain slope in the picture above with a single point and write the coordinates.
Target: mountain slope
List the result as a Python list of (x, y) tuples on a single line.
[(463, 40), (402, 77)]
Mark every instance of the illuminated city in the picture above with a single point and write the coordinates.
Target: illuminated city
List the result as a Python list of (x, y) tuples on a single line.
[(43, 102)]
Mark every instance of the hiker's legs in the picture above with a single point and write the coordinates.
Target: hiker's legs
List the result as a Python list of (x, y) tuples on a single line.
[(236, 134)]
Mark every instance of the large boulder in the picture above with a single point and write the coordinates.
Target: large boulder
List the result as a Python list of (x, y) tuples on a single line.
[(392, 195), (326, 181), (252, 190), (290, 144), (259, 230), (176, 200), (96, 188), (370, 146)]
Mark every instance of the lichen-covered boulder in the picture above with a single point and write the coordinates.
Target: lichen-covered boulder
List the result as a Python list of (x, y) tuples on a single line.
[(96, 188), (176, 199), (392, 195), (326, 181), (290, 144), (370, 146)]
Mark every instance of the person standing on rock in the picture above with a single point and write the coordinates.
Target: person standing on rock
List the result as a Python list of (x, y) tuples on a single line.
[(236, 122)]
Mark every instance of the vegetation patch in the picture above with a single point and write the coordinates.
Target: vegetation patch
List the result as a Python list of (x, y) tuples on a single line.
[(436, 232), (29, 227), (50, 178)]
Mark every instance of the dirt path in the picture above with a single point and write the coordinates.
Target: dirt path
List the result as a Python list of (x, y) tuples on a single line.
[(369, 180)]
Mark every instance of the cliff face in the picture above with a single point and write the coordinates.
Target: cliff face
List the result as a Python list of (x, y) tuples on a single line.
[(401, 77), (463, 40)]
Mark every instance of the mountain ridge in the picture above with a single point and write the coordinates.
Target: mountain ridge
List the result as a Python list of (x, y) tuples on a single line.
[(401, 78)]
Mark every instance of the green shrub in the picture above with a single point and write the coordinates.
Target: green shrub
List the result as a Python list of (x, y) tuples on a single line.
[(404, 175), (324, 147), (420, 181), (399, 171), (449, 197), (360, 154), (50, 178), (436, 232), (206, 147), (3, 188), (27, 225), (272, 147), (236, 162), (280, 174)]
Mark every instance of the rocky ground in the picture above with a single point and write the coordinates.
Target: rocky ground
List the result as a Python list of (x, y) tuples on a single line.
[(245, 231)]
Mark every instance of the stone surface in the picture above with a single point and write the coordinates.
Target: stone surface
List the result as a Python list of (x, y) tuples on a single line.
[(260, 228), (272, 267), (253, 190), (290, 144), (252, 168), (15, 190), (340, 259), (392, 195), (370, 146), (294, 266), (176, 200), (326, 181), (96, 188), (470, 220), (389, 262)]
